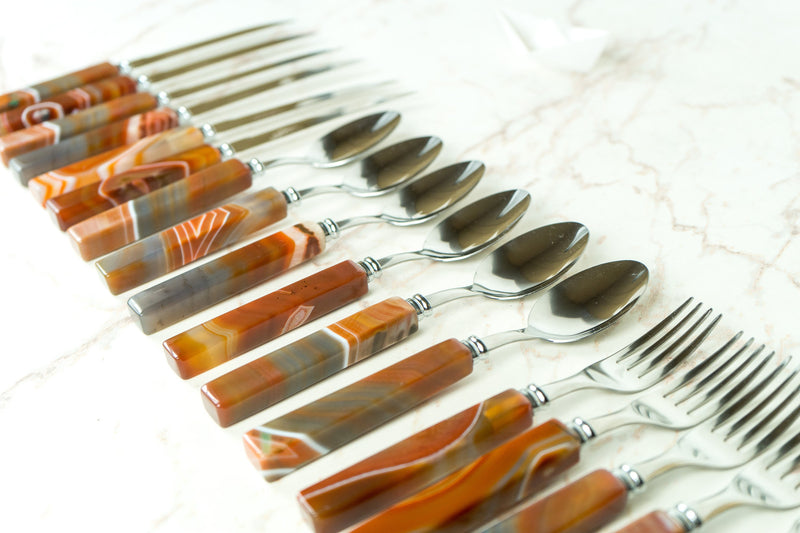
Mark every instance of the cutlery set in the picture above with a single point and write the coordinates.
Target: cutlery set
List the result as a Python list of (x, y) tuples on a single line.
[(120, 158)]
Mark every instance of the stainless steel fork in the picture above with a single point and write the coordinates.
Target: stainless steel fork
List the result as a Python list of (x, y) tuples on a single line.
[(747, 425), (771, 484), (522, 466), (420, 460)]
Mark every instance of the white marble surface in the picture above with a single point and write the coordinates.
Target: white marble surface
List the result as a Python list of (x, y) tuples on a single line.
[(679, 149)]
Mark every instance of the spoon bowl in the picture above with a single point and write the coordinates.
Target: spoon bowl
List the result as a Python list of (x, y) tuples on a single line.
[(530, 262), (345, 143), (469, 228), (393, 166), (588, 301)]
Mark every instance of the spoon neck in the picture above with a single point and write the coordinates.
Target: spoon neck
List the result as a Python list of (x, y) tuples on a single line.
[(314, 191), (507, 337), (354, 221), (396, 259), (448, 295), (258, 166)]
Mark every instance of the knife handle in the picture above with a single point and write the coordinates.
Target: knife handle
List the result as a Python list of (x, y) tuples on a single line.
[(238, 331), (75, 206), (400, 471), (160, 209), (104, 152), (21, 142), (584, 505), (60, 105), (210, 283), (655, 522), (46, 89), (486, 487), (204, 234), (277, 375), (295, 439)]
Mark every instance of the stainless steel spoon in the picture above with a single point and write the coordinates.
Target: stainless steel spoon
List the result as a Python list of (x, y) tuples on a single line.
[(231, 334), (177, 246), (522, 266), (574, 309), (239, 270)]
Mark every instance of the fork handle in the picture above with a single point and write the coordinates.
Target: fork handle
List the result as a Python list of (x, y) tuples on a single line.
[(488, 486), (184, 243), (583, 506), (655, 522), (281, 373), (158, 210), (76, 206), (250, 325), (210, 283), (53, 131), (293, 440), (400, 471)]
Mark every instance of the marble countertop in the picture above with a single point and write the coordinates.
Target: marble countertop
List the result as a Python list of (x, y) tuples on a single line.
[(678, 148)]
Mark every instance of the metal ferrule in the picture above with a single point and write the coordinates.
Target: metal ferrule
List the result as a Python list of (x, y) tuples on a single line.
[(420, 304), (208, 131), (630, 477), (124, 67), (582, 428), (330, 228), (163, 98), (372, 268), (184, 115), (143, 82), (687, 516), (292, 196), (476, 346), (228, 152), (256, 166), (535, 395)]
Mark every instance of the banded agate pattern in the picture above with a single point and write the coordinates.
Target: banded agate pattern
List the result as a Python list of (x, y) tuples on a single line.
[(654, 522), (46, 89), (231, 334), (274, 377), (203, 286), (172, 248), (75, 206), (21, 142), (147, 148), (301, 436), (470, 496), (60, 105), (148, 214), (386, 478)]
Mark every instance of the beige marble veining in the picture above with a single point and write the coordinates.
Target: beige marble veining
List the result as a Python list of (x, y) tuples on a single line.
[(679, 149)]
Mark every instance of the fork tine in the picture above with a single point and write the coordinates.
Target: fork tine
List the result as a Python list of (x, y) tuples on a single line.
[(655, 330), (651, 350), (734, 390), (762, 425), (716, 376), (686, 352), (708, 361), (736, 426)]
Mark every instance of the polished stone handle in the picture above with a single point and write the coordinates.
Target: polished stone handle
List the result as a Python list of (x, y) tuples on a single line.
[(486, 487), (184, 243), (60, 105), (75, 206), (400, 471), (120, 146), (655, 522), (272, 378), (51, 132), (201, 287), (585, 505), (25, 97), (301, 436), (250, 325), (160, 209)]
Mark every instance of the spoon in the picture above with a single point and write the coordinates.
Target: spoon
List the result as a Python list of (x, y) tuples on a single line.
[(576, 308), (162, 208), (525, 265), (172, 248), (231, 334), (238, 270)]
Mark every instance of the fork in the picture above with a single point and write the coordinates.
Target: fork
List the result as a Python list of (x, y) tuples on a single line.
[(594, 500), (409, 466), (528, 463), (772, 484)]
